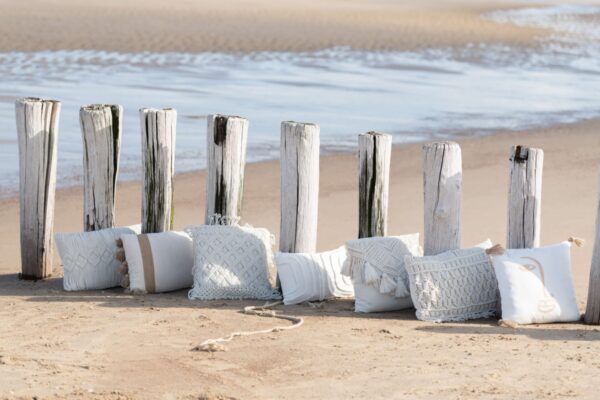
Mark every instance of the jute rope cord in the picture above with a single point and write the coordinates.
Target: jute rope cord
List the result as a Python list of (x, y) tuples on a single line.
[(212, 345)]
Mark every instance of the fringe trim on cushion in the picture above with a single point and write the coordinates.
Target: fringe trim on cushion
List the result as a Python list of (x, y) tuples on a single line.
[(576, 241), (424, 316), (124, 268), (218, 219), (364, 272)]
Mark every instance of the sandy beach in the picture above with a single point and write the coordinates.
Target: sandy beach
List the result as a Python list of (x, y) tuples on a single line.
[(111, 345)]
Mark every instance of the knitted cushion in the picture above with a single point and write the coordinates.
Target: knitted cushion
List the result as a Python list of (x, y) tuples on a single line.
[(159, 262), (313, 277), (89, 258), (232, 262), (536, 285), (378, 264), (453, 286)]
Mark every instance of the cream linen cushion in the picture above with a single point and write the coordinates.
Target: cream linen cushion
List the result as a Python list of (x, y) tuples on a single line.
[(232, 262), (313, 277), (89, 258), (159, 262), (456, 285), (376, 266), (536, 285)]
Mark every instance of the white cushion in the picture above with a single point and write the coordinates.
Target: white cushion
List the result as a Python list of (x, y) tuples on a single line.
[(313, 277), (89, 258), (456, 285), (536, 285), (232, 262), (376, 266), (159, 262)]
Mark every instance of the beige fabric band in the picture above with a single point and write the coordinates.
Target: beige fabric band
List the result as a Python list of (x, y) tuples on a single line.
[(148, 262)]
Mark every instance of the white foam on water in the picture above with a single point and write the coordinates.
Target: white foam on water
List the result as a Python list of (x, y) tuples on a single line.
[(434, 93)]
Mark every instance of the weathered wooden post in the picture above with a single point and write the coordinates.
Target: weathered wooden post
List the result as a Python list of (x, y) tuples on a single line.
[(37, 128), (442, 179), (524, 197), (374, 152), (592, 312), (299, 187), (226, 139), (101, 127), (158, 159)]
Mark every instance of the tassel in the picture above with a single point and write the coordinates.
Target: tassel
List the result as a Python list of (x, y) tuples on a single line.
[(371, 275), (125, 281), (496, 250), (576, 241), (124, 268), (119, 243), (401, 289), (387, 285), (121, 255)]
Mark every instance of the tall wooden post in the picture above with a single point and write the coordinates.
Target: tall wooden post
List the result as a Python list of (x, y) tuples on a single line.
[(592, 312), (37, 128), (524, 197), (442, 179), (226, 139), (158, 158), (374, 152), (299, 187), (101, 127)]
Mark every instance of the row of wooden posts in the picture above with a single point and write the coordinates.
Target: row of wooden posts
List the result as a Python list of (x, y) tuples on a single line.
[(101, 126)]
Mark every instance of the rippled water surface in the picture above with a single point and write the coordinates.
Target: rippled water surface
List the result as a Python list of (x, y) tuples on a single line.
[(413, 95)]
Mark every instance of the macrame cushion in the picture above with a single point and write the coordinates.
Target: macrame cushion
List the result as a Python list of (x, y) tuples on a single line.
[(159, 262), (536, 285), (456, 285), (232, 262), (89, 258), (313, 277), (376, 266)]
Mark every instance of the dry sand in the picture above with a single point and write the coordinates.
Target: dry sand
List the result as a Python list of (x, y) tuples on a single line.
[(107, 344), (61, 344)]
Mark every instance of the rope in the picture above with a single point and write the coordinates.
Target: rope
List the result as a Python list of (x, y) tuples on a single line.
[(212, 345)]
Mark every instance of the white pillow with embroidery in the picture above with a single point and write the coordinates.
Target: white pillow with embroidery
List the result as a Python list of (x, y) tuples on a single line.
[(536, 285), (456, 285), (158, 262), (313, 277), (89, 258), (232, 262), (376, 266)]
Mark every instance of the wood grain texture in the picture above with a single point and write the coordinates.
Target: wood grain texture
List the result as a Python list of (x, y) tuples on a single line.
[(442, 180), (101, 127), (592, 311), (226, 140), (37, 129), (524, 197), (374, 153), (158, 160), (299, 187)]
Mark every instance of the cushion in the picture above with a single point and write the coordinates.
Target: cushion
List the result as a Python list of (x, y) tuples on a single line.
[(89, 258), (313, 277), (376, 266), (159, 262), (456, 285), (536, 285), (232, 262)]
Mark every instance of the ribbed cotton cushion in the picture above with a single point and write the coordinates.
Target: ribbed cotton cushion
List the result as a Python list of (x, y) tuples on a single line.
[(159, 262), (232, 262), (536, 285), (376, 266), (313, 277), (456, 285), (89, 258)]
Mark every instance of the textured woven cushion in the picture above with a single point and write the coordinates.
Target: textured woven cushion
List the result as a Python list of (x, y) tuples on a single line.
[(536, 285), (89, 258), (159, 262), (232, 262), (376, 266), (456, 285), (313, 277)]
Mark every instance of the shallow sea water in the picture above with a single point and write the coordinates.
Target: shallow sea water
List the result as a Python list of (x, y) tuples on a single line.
[(416, 96)]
